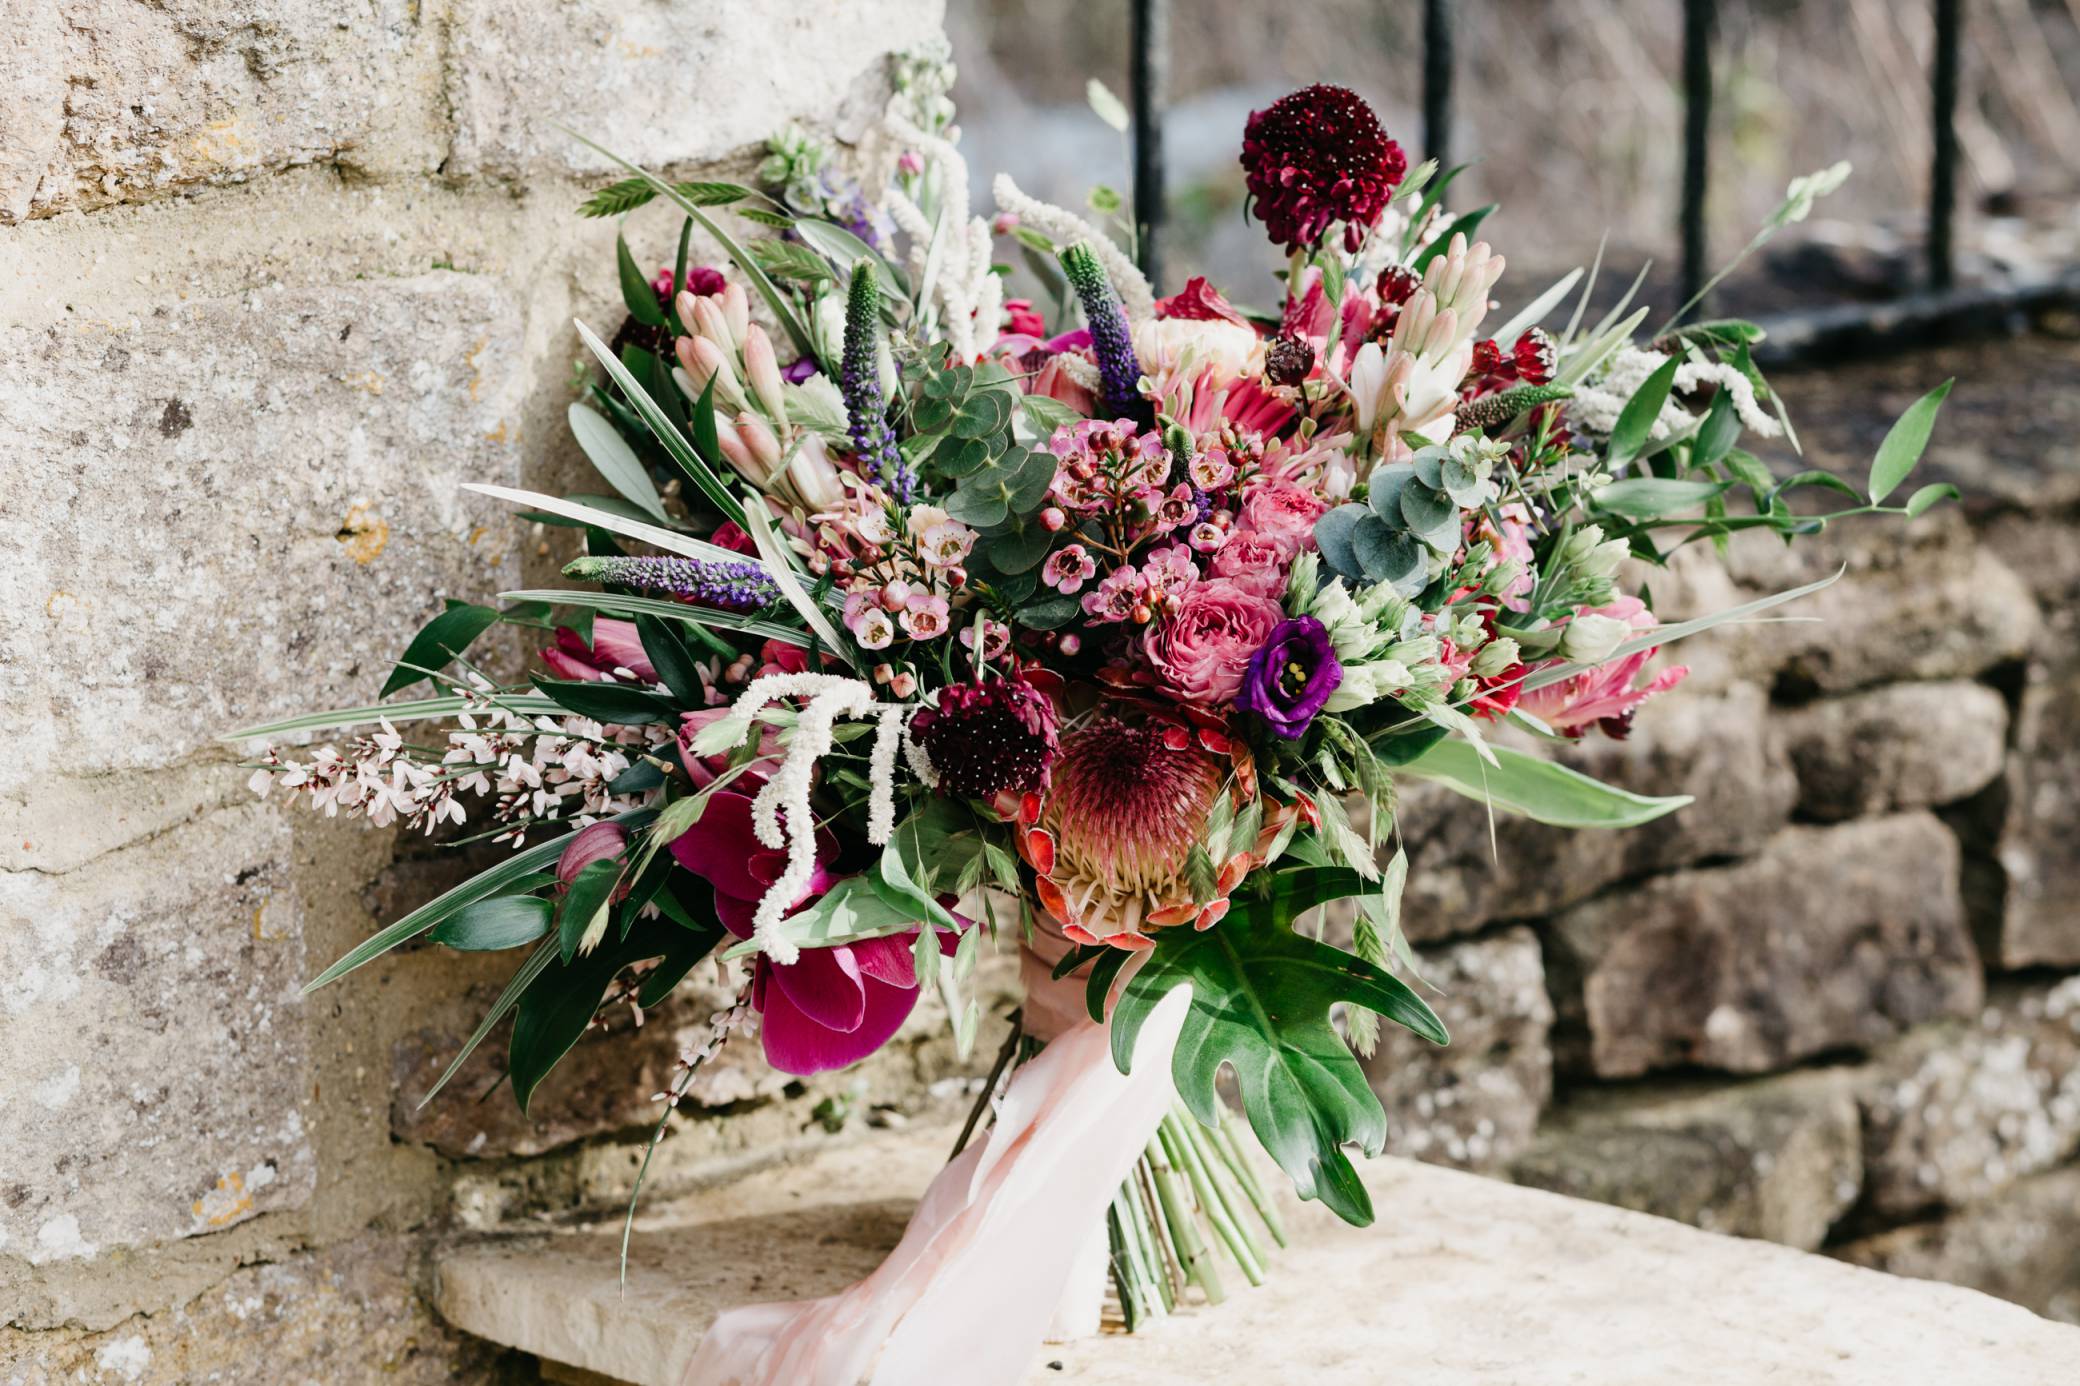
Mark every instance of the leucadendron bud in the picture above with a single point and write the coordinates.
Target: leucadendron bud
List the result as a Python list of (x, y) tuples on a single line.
[(1590, 638)]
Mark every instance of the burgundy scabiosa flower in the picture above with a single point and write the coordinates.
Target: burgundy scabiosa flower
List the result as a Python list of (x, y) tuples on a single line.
[(1317, 157), (1291, 676), (988, 737)]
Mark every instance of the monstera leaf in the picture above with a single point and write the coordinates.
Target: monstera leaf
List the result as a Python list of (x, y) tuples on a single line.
[(1260, 1004)]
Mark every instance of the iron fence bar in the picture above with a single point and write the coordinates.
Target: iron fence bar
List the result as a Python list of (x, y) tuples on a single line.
[(1942, 181), (1437, 80), (1149, 81), (1697, 119)]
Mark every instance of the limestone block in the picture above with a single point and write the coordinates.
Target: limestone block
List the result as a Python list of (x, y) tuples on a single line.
[(1475, 1102), (102, 101), (1716, 747), (1909, 745), (347, 1314), (1776, 1159), (1960, 1111), (1830, 938), (233, 508), (2040, 912), (681, 82), (155, 1042), (2022, 1245)]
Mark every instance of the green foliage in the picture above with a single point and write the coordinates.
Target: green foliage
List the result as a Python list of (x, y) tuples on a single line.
[(1905, 442), (1260, 1004), (503, 921), (439, 643), (1537, 789), (631, 193)]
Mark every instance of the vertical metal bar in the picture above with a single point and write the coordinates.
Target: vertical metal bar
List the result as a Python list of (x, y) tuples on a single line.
[(1150, 82), (1697, 124), (1942, 183), (1437, 80)]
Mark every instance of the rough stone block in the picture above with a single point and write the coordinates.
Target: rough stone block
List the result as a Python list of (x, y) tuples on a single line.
[(219, 501), (2039, 923), (1776, 1159), (347, 1314), (1910, 745), (1961, 1111), (155, 1042), (1832, 937), (1477, 1101), (2022, 1245), (103, 101), (1716, 747), (668, 83)]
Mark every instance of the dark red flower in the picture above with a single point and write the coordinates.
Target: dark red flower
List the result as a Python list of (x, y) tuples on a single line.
[(988, 737), (1199, 301), (1315, 158)]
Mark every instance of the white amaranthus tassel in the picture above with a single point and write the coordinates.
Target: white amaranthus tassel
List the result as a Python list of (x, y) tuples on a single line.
[(1065, 228)]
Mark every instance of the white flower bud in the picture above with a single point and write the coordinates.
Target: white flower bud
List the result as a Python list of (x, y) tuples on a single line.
[(1495, 656), (1590, 639)]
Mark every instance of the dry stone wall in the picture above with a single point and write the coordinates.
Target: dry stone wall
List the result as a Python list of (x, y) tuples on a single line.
[(274, 279), (1832, 1003)]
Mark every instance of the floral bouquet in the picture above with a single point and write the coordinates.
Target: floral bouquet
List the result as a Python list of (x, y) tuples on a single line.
[(920, 619)]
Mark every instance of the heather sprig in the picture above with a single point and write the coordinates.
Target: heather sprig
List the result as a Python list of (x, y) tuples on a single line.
[(710, 582), (1119, 373), (866, 411)]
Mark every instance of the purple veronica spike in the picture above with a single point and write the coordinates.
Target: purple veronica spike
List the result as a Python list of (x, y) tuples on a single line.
[(1119, 373), (723, 585), (866, 412)]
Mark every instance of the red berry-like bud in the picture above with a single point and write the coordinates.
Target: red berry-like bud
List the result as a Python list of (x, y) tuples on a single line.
[(1053, 518), (1142, 615), (1397, 284), (1071, 643), (956, 578)]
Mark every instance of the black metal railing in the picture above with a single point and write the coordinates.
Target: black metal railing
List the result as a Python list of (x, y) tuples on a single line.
[(1933, 308)]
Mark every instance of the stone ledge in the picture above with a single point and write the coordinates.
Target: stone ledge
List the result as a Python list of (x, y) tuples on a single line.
[(1464, 1280)]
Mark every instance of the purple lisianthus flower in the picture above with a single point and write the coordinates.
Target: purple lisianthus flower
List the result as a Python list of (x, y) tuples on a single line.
[(1291, 676)]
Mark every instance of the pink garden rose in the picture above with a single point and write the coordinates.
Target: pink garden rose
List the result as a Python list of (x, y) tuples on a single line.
[(1284, 514), (1201, 650), (1254, 563)]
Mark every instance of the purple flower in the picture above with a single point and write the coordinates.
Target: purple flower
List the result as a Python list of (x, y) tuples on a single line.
[(1290, 676)]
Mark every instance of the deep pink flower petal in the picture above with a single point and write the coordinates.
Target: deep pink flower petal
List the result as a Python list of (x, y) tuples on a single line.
[(720, 847), (889, 959), (796, 1044), (825, 986)]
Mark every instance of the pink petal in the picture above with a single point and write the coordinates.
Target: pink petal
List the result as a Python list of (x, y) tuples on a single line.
[(888, 959), (796, 1044), (825, 986), (719, 848)]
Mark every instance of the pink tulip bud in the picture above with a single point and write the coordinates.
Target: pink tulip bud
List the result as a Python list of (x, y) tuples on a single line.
[(814, 478), (709, 322), (715, 364), (736, 311), (739, 455), (760, 440), (686, 303), (588, 845), (690, 360), (910, 163), (763, 370)]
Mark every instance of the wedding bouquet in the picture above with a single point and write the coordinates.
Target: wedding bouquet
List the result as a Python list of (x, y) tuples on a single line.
[(920, 617)]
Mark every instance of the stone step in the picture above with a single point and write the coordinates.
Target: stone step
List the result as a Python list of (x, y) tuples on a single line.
[(1464, 1281)]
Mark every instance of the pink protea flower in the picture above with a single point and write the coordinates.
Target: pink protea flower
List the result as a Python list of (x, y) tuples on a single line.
[(1315, 158), (1606, 696)]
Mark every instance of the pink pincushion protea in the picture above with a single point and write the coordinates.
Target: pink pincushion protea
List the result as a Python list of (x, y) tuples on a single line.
[(1129, 801), (1315, 158)]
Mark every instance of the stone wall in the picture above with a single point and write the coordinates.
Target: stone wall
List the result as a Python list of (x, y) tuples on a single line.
[(1836, 1001), (276, 278)]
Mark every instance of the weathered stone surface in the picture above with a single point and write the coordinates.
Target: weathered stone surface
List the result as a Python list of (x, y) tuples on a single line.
[(2040, 913), (1916, 602), (1910, 745), (287, 463), (349, 1314), (1962, 1110), (1716, 747), (2023, 1245), (1489, 1284), (154, 1042), (1777, 1159), (1831, 937), (103, 101), (676, 82), (1475, 1102)]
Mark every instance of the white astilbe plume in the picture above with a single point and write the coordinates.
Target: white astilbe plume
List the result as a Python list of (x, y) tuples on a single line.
[(1596, 405), (781, 814), (970, 297), (1065, 228)]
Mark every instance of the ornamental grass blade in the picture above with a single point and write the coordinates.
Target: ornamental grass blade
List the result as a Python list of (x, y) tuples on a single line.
[(760, 527), (671, 541), (666, 432), (537, 963), (1538, 789), (415, 710), (620, 604)]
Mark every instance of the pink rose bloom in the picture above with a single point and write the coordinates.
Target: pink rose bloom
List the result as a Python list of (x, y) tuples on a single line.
[(1200, 651), (615, 645), (1284, 514), (1604, 696), (1254, 563)]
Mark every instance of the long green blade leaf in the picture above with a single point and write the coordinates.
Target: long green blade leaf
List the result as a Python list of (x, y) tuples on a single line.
[(671, 541), (615, 604), (1538, 789), (668, 435), (416, 710), (536, 964)]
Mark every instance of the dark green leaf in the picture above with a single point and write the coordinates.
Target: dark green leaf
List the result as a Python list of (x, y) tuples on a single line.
[(1718, 433), (1049, 613), (676, 667), (635, 289), (1464, 225), (624, 703), (438, 643), (503, 921), (1636, 420), (590, 892)]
